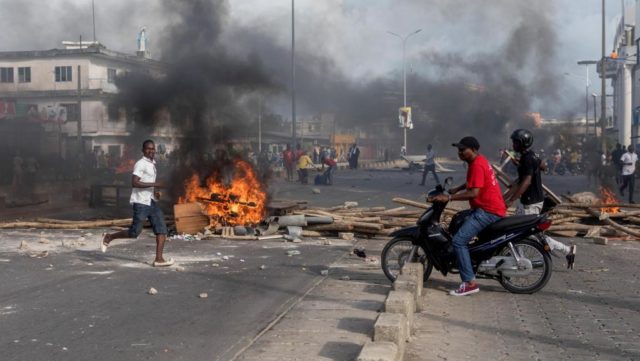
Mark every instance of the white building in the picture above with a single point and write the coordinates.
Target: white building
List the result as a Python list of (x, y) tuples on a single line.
[(621, 72), (51, 90)]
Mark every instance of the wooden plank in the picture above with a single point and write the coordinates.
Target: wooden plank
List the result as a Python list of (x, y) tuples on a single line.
[(187, 209)]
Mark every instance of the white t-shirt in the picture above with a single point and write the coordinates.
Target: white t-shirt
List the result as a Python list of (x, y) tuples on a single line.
[(629, 158), (145, 168), (430, 157)]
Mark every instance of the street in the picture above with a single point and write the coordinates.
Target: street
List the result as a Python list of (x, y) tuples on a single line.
[(75, 303)]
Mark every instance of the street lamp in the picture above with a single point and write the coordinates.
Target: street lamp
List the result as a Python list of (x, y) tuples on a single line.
[(586, 64), (404, 74)]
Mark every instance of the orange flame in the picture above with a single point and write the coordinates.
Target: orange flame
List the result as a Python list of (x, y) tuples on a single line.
[(241, 202), (608, 197)]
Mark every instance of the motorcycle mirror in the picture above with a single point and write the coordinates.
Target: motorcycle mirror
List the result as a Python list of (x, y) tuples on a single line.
[(448, 181)]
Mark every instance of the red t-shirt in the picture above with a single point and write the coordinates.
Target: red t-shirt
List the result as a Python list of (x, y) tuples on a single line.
[(480, 175), (287, 156), (330, 162)]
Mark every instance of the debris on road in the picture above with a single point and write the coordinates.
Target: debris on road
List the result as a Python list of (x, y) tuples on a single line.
[(152, 291), (292, 252), (324, 272), (203, 295)]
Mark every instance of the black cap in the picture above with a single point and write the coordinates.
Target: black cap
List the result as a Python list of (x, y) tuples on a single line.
[(467, 142)]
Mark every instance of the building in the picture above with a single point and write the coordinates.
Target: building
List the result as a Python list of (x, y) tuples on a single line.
[(620, 69), (55, 93)]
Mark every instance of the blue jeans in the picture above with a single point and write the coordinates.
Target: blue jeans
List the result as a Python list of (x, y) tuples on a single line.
[(474, 223), (140, 214)]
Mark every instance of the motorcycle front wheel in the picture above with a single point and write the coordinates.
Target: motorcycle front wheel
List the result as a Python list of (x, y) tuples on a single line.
[(540, 274), (396, 253)]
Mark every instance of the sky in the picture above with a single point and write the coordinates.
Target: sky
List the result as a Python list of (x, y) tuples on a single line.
[(352, 34)]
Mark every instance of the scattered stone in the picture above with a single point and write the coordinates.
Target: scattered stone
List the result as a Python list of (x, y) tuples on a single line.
[(293, 252), (218, 254), (297, 240), (89, 264), (347, 236), (215, 265), (324, 272), (152, 291), (327, 242), (348, 204), (23, 245), (600, 240), (315, 190), (43, 241), (263, 267), (179, 269), (241, 260), (203, 295), (345, 278), (226, 258)]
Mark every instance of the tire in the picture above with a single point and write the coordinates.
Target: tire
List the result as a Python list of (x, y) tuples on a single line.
[(535, 252), (394, 256)]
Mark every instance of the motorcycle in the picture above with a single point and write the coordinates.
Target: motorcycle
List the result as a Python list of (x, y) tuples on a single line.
[(513, 250)]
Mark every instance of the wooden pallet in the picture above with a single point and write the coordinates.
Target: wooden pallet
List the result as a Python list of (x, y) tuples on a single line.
[(189, 218)]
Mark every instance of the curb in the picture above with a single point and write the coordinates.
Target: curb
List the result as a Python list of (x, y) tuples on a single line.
[(394, 326)]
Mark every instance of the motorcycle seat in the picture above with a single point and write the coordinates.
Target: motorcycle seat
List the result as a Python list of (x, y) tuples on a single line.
[(507, 224)]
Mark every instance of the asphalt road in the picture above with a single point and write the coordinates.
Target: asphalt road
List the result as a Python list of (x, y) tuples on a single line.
[(78, 304)]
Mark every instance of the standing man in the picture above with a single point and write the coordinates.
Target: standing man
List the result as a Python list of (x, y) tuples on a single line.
[(430, 165), (528, 189), (615, 158), (355, 154), (331, 163), (628, 161), (289, 159), (485, 198), (144, 200)]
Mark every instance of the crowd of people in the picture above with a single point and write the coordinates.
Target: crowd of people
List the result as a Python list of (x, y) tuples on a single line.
[(300, 162)]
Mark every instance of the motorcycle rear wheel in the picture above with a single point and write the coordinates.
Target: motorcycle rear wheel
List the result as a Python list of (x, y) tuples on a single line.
[(395, 254), (542, 268)]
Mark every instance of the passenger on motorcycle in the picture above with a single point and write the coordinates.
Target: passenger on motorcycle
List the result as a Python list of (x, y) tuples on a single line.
[(528, 189), (485, 198)]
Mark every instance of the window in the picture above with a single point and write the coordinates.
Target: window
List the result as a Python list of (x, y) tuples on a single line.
[(111, 75), (72, 112), (113, 111), (6, 75), (63, 73), (24, 75)]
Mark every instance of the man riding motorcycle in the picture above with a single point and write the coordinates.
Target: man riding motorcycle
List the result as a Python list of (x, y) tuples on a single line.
[(485, 199)]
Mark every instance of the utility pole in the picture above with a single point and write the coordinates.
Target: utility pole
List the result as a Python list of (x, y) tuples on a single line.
[(93, 14), (260, 125), (294, 140), (603, 92), (80, 146)]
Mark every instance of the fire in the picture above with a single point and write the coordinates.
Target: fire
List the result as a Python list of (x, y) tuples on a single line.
[(608, 197), (240, 202)]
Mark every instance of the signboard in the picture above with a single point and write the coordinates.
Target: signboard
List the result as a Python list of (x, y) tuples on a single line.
[(404, 118), (610, 66)]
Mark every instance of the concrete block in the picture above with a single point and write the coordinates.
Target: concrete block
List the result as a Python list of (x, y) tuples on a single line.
[(415, 269), (402, 302), (600, 240), (392, 327), (406, 282), (379, 351)]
